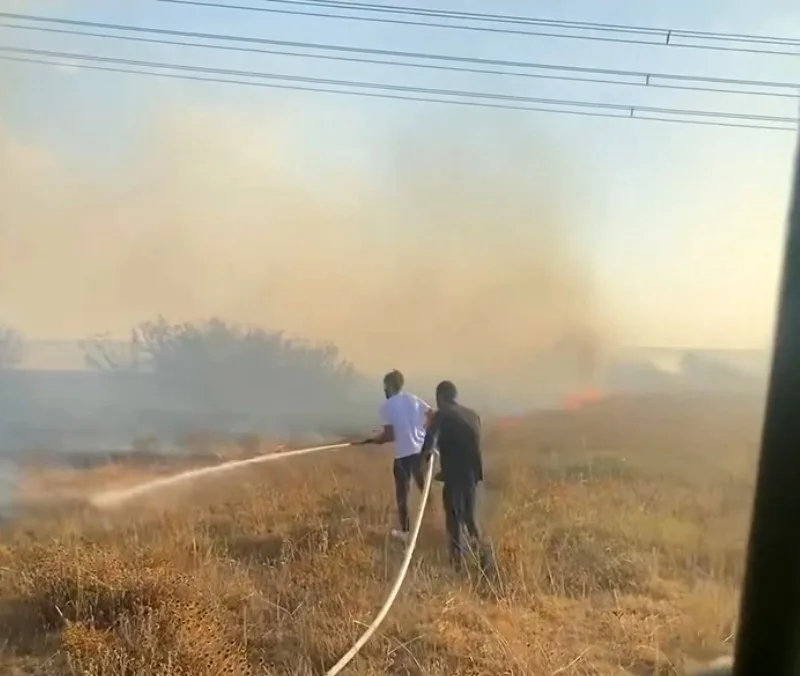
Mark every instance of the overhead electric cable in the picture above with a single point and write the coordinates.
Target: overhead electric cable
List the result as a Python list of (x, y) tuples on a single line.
[(747, 122), (791, 48), (665, 33), (516, 98), (653, 80)]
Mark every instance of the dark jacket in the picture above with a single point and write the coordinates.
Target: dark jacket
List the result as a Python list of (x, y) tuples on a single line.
[(456, 430)]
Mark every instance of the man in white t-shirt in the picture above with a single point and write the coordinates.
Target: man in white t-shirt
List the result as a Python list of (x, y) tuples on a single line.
[(405, 418)]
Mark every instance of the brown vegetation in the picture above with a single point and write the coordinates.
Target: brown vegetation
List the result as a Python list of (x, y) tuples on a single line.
[(618, 531)]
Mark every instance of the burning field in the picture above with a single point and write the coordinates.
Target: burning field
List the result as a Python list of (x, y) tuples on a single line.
[(618, 527)]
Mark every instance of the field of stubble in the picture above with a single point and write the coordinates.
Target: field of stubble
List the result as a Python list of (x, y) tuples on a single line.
[(618, 532)]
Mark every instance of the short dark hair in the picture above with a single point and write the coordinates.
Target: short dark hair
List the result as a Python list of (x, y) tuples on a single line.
[(446, 391), (394, 379)]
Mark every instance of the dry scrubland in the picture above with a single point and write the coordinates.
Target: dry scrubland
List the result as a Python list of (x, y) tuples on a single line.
[(618, 531)]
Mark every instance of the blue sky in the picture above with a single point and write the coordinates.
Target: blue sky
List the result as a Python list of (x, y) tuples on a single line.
[(681, 226)]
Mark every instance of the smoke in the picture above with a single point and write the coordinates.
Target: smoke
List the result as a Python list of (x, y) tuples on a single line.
[(456, 256)]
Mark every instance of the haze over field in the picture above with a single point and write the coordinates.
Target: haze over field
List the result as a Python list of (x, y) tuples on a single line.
[(521, 255), (438, 266), (443, 264)]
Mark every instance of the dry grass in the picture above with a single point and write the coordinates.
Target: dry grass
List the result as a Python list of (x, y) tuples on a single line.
[(618, 532)]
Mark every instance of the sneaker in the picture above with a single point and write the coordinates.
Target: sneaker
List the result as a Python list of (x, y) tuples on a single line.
[(401, 535)]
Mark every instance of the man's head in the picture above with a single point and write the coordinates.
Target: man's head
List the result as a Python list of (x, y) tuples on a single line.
[(446, 393), (393, 383)]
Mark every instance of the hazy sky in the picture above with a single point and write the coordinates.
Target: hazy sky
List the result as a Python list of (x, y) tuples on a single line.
[(399, 230)]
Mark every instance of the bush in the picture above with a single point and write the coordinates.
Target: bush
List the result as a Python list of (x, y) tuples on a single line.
[(224, 376)]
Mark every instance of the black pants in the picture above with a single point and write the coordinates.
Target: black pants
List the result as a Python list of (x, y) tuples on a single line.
[(459, 514), (404, 469)]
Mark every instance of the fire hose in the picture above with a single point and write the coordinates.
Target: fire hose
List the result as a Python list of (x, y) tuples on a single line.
[(115, 498)]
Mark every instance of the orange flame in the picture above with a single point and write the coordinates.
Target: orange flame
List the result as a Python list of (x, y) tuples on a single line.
[(577, 401), (510, 421)]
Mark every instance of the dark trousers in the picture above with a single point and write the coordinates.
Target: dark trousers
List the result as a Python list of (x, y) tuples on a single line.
[(404, 469), (459, 514)]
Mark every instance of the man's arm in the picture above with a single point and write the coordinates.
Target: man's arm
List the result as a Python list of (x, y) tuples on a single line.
[(478, 448), (431, 433), (429, 412), (384, 437)]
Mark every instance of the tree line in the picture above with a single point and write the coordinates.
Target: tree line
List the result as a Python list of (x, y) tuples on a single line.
[(170, 378)]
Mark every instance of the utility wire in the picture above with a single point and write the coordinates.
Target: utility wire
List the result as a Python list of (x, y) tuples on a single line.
[(665, 33), (516, 98), (651, 80), (629, 113), (668, 40)]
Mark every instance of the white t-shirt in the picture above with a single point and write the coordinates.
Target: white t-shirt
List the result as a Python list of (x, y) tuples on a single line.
[(407, 414)]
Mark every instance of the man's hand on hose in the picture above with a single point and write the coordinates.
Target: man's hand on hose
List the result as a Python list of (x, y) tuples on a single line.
[(426, 457), (384, 437)]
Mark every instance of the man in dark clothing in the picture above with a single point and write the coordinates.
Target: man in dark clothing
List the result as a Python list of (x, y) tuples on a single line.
[(456, 430)]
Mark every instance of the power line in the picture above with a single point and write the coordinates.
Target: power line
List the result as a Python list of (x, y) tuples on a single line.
[(381, 95), (383, 92), (668, 42), (665, 33), (653, 80), (626, 108)]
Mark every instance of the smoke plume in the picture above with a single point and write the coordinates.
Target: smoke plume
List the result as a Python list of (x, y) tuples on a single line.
[(456, 256)]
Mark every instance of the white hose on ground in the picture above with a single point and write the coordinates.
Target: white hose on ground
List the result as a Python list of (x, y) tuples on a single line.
[(117, 497), (114, 498), (398, 582)]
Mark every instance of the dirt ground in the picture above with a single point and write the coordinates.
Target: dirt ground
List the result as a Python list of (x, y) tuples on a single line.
[(618, 531)]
